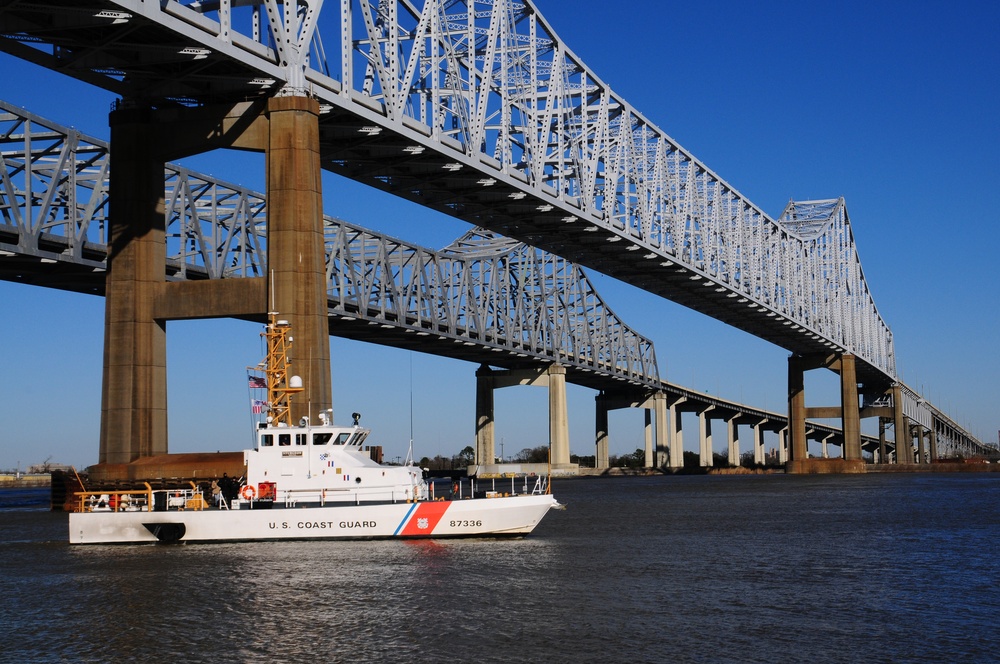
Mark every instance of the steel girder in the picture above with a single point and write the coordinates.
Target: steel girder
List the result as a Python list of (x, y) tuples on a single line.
[(520, 303), (480, 110)]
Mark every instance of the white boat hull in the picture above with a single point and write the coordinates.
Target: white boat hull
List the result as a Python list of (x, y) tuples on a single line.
[(515, 515)]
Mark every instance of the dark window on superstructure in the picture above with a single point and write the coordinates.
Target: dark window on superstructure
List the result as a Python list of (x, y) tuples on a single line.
[(342, 439), (300, 439), (267, 440), (284, 439), (322, 438)]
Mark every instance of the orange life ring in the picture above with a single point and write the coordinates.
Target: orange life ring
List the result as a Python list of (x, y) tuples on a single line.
[(248, 492)]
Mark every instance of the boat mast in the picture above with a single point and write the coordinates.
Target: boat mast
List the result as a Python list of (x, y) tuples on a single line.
[(280, 386)]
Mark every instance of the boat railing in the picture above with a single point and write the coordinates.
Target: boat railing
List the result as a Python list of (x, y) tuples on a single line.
[(128, 500), (520, 485), (291, 497), (141, 500)]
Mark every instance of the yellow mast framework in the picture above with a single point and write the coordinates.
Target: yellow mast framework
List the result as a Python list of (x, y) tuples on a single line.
[(280, 386)]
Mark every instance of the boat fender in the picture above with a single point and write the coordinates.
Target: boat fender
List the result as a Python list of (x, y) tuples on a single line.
[(248, 492)]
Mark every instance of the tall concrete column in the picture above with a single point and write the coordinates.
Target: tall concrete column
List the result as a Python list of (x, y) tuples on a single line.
[(933, 442), (676, 436), (558, 415), (601, 431), (921, 452), (134, 388), (485, 417), (758, 443), (796, 410), (850, 409), (783, 445), (904, 444), (881, 441), (295, 246), (705, 436), (662, 437), (734, 442), (647, 434)]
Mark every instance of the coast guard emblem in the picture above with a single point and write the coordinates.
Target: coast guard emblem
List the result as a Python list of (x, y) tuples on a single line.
[(422, 524)]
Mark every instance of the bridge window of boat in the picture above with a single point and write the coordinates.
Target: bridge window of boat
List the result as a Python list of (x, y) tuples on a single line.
[(342, 439), (300, 438), (267, 440), (322, 438), (284, 439), (360, 438)]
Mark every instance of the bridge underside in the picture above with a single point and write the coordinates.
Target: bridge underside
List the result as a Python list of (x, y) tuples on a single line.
[(380, 159)]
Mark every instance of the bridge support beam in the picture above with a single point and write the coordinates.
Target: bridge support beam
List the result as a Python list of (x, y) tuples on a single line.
[(558, 416), (705, 438), (921, 450), (758, 443), (601, 407), (485, 422), (655, 438), (734, 441), (663, 454), (797, 408), (139, 301), (553, 377), (904, 444), (848, 411), (296, 256), (134, 387), (881, 441), (676, 434), (647, 437)]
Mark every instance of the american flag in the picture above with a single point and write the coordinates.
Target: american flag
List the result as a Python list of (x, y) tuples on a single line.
[(257, 381), (257, 406)]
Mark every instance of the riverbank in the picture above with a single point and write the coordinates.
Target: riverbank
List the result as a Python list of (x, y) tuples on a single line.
[(25, 481)]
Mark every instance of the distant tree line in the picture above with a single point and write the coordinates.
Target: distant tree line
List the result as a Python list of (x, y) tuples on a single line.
[(636, 459)]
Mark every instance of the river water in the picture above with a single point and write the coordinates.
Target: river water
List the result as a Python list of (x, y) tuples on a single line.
[(875, 568)]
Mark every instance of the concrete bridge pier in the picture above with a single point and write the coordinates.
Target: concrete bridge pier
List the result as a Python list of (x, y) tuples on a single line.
[(139, 301), (602, 455), (848, 412), (654, 412), (485, 423), (553, 377), (134, 387), (881, 441), (904, 443), (558, 416), (647, 438), (705, 437), (676, 433), (759, 452), (663, 453), (734, 441)]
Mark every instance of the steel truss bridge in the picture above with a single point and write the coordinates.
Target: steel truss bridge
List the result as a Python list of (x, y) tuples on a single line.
[(479, 110), (484, 299), (516, 304)]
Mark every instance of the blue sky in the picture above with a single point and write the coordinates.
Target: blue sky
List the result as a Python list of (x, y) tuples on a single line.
[(891, 105)]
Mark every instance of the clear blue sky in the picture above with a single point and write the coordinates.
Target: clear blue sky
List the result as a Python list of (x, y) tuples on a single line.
[(891, 105)]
